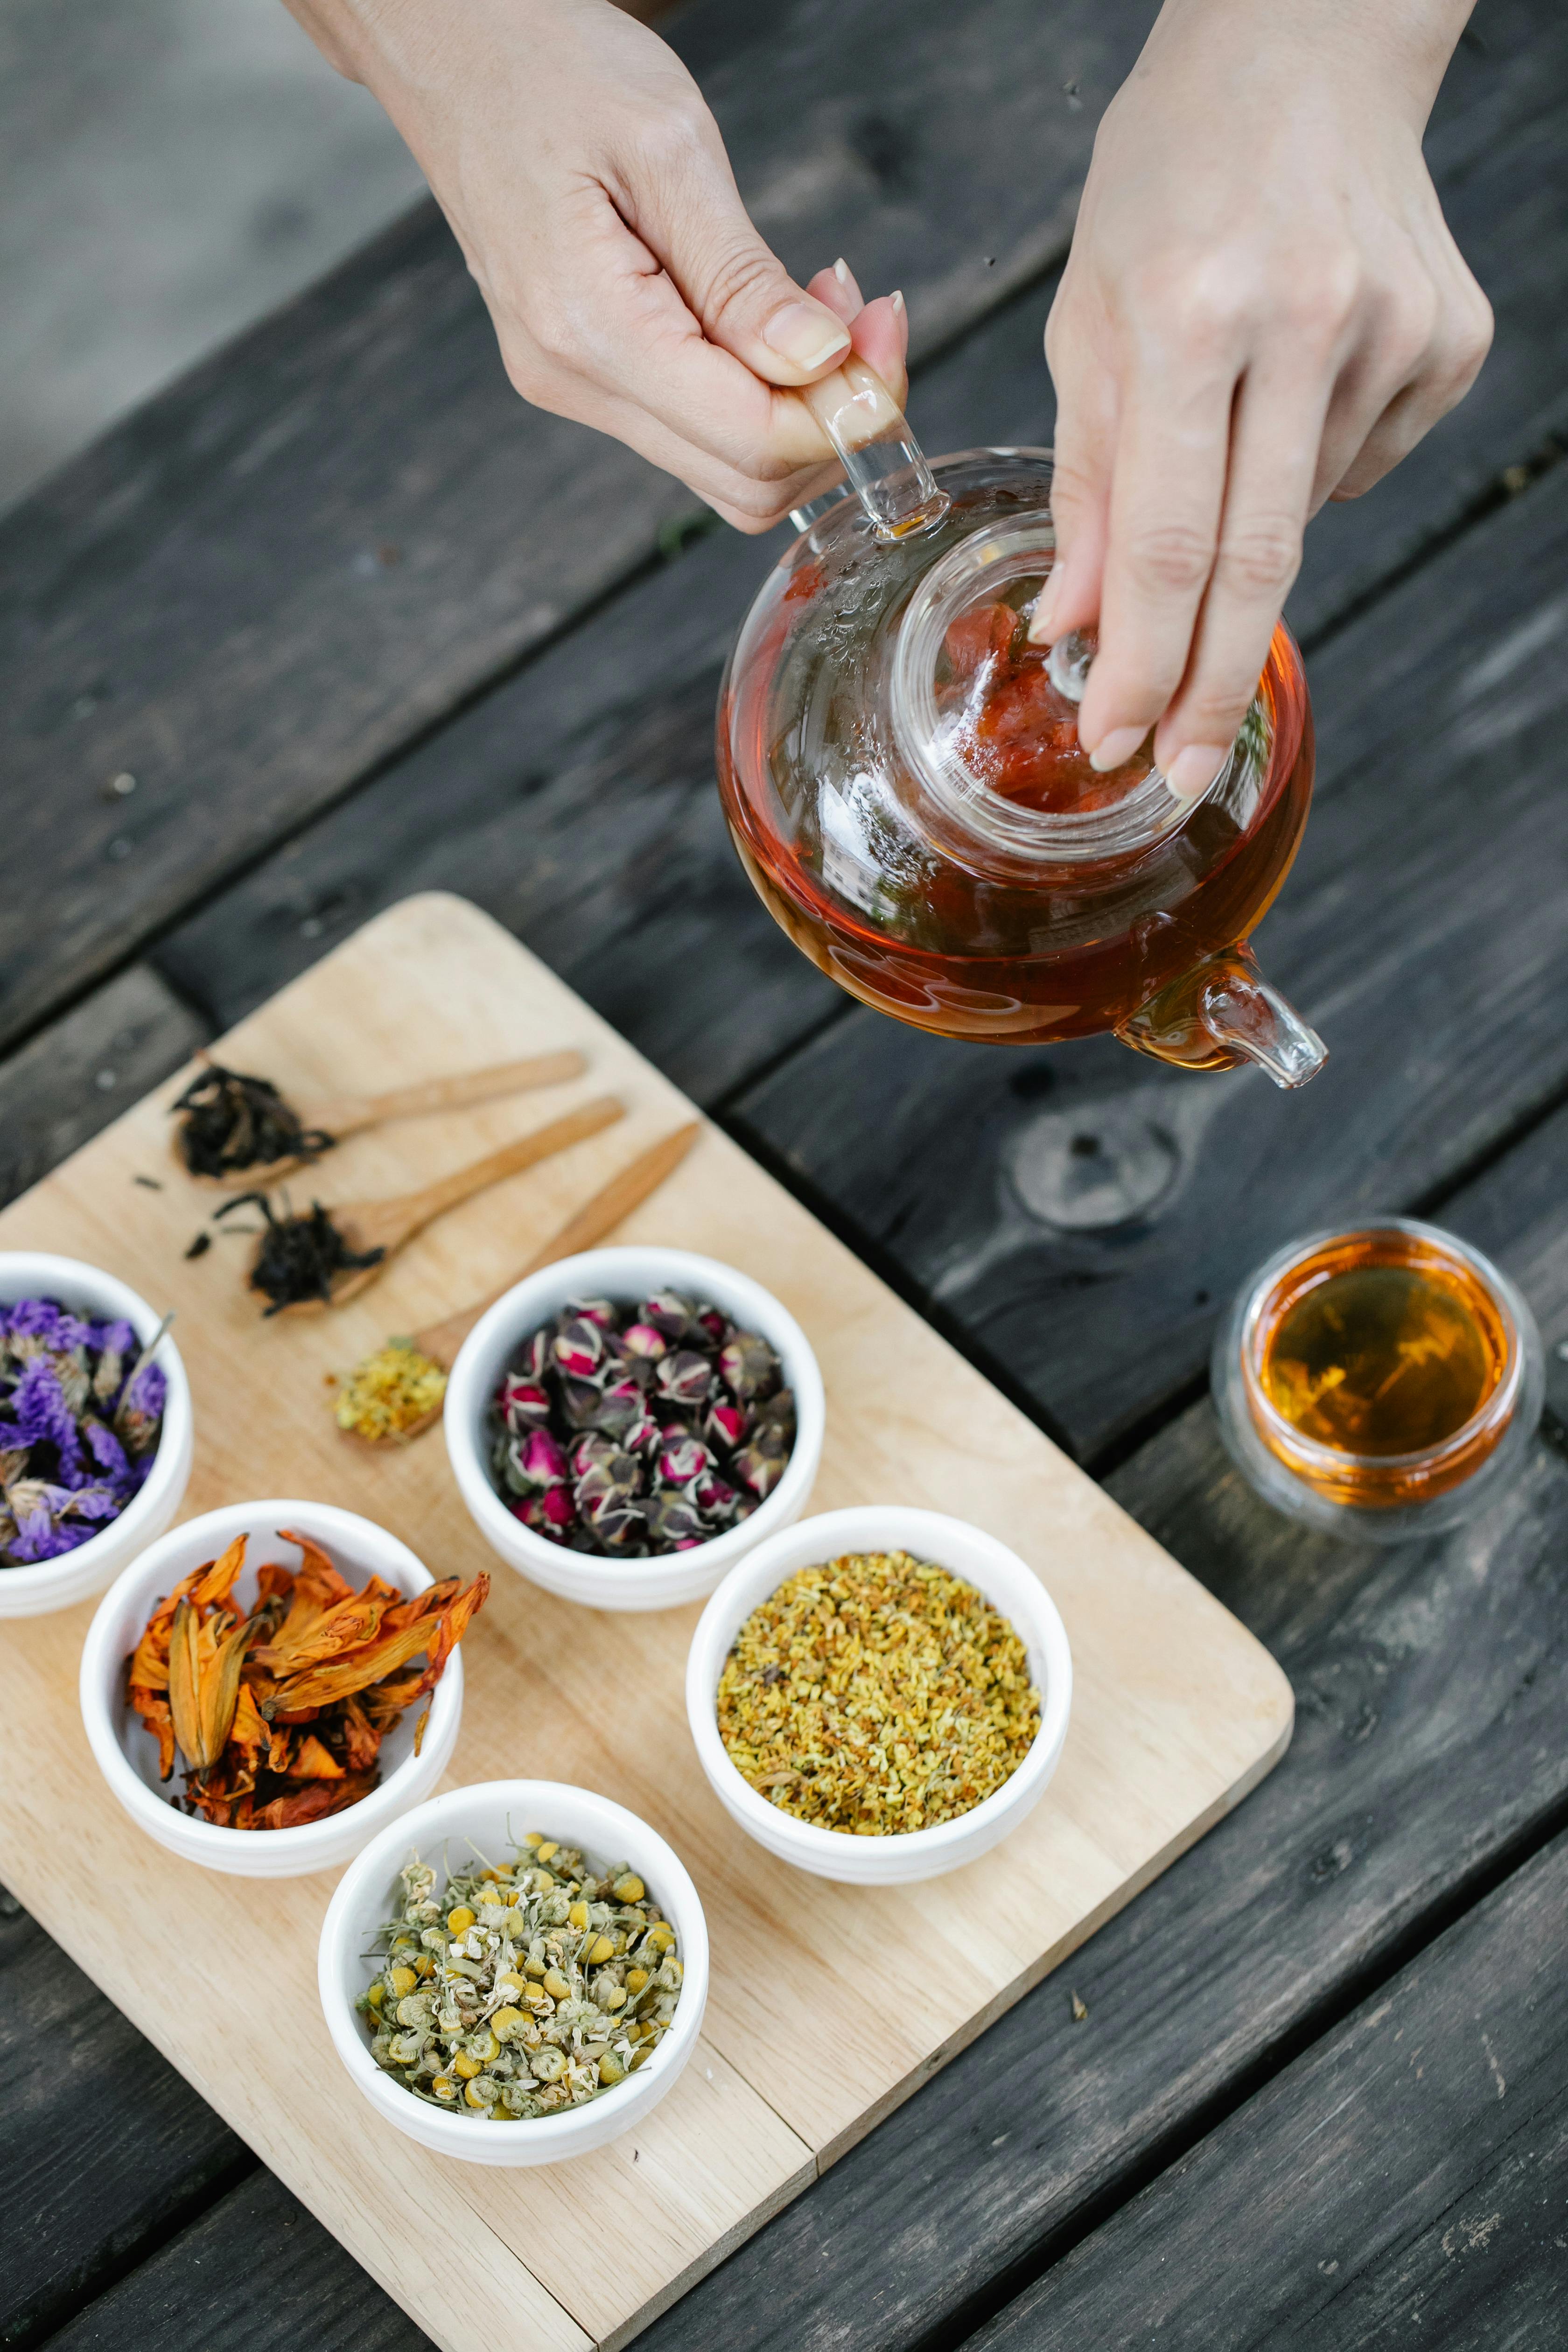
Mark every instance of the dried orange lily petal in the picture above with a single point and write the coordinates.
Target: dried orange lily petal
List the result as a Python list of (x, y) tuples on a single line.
[(279, 1713)]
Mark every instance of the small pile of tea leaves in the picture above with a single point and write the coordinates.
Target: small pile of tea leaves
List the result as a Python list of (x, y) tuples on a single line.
[(279, 1716), (229, 1122), (80, 1412), (300, 1255), (877, 1694), (523, 1990), (390, 1394)]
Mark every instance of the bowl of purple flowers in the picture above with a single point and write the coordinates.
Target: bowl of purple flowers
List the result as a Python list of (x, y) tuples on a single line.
[(626, 1425), (95, 1430)]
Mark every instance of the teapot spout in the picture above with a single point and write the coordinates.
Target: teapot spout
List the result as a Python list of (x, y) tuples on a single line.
[(1221, 1013)]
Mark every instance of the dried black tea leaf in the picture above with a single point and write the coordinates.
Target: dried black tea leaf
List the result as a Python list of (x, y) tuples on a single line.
[(300, 1255), (229, 1122)]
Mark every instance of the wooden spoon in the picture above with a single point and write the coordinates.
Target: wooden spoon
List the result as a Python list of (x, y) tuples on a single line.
[(386, 1225), (349, 1114), (592, 1221)]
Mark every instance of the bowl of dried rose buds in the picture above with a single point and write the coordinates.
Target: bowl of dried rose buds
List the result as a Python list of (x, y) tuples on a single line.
[(95, 1430), (272, 1683), (879, 1695), (516, 1972), (626, 1425)]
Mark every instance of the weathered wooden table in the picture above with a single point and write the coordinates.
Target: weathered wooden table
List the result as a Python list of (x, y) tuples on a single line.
[(357, 623)]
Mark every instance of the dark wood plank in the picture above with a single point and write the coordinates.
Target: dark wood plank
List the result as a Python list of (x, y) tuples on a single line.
[(86, 1068), (103, 2147), (255, 2273), (1430, 1684), (1080, 1215), (1408, 2180), (273, 575)]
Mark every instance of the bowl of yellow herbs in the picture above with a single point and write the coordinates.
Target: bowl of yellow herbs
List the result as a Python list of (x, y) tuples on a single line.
[(271, 1683), (514, 1973), (879, 1695)]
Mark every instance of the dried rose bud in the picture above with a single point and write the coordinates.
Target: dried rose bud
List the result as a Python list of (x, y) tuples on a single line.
[(550, 1514), (748, 1364), (726, 1424), (761, 1472), (644, 1437), (523, 1404), (715, 1499), (620, 1477), (672, 1517), (594, 1310), (534, 1356), (775, 1413), (590, 1448), (684, 1377), (580, 1401), (642, 1339), (616, 1522), (668, 1312), (579, 1348), (539, 1459), (619, 1409), (718, 1327), (682, 1459)]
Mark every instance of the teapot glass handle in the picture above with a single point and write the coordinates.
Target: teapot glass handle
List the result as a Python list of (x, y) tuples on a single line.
[(886, 464)]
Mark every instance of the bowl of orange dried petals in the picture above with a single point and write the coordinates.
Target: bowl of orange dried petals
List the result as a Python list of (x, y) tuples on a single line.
[(271, 1684)]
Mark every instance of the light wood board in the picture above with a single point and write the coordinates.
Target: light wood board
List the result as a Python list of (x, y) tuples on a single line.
[(827, 2004)]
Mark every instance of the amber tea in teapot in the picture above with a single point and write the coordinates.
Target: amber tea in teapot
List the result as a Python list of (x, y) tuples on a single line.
[(902, 777)]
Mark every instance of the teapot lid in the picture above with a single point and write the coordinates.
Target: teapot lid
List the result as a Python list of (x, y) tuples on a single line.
[(990, 721)]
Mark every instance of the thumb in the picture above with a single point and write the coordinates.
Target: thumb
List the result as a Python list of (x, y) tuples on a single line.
[(695, 223)]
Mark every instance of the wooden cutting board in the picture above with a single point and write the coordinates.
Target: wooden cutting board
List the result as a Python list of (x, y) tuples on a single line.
[(1177, 1710)]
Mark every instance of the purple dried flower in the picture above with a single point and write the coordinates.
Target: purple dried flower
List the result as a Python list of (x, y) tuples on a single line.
[(748, 1364), (672, 1518), (684, 1377), (726, 1423), (642, 1339), (579, 1348), (682, 1459)]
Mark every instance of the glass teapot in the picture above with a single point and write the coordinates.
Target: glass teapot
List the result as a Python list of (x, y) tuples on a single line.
[(902, 777)]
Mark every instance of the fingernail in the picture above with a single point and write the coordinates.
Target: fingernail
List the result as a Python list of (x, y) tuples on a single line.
[(1041, 620), (841, 271), (806, 334), (1116, 749), (897, 302), (1192, 772)]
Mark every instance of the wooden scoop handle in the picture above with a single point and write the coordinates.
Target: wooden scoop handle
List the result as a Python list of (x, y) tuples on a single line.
[(449, 1093), (416, 1209), (592, 1221)]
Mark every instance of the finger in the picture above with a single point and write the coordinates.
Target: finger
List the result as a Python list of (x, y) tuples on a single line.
[(880, 333), (688, 214), (1084, 441), (836, 290), (1275, 437), (1167, 492)]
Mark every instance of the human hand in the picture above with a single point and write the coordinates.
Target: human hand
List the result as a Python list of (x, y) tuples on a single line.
[(1263, 309), (588, 185)]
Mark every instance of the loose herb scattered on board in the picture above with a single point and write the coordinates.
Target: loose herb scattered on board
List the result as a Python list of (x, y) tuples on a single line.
[(229, 1122), (634, 1431), (389, 1395), (278, 1717), (80, 1412), (525, 1989), (299, 1255), (877, 1694)]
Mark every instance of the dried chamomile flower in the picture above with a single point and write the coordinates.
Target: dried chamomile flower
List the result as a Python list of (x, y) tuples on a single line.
[(525, 1989)]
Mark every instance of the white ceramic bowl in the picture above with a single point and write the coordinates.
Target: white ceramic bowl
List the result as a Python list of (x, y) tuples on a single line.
[(965, 1551), (127, 1753), (45, 1584), (628, 1274), (490, 1815)]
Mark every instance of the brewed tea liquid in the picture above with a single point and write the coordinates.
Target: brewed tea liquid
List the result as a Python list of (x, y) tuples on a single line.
[(1379, 1345)]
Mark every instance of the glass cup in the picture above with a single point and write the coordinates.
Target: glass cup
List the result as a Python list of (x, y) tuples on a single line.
[(1379, 1496)]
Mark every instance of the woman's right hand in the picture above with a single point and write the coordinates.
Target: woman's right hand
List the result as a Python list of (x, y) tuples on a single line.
[(588, 185)]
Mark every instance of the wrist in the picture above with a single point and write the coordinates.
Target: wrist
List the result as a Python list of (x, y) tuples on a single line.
[(1403, 44)]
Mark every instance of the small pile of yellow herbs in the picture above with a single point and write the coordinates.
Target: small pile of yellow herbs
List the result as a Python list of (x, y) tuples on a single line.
[(387, 1394), (877, 1694)]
